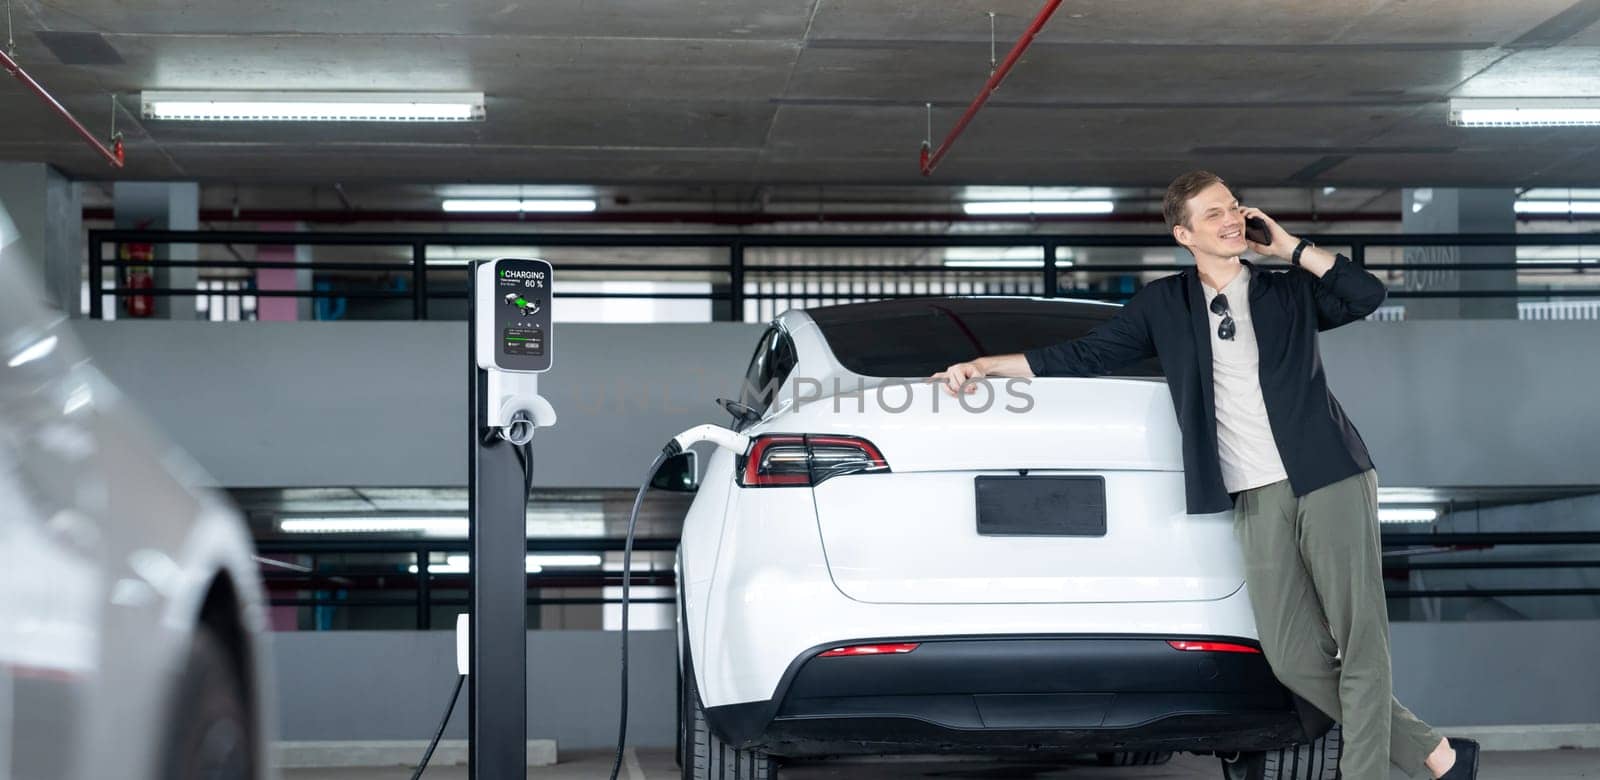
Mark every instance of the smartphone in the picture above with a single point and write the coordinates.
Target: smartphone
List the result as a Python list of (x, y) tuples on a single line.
[(1255, 229)]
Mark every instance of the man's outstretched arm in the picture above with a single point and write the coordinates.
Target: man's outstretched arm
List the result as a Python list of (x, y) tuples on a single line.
[(1117, 342)]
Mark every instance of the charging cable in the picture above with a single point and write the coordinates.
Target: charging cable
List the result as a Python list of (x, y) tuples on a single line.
[(460, 678), (738, 444), (520, 435), (524, 451)]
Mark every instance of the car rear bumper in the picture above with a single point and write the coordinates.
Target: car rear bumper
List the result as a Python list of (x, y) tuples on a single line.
[(984, 694)]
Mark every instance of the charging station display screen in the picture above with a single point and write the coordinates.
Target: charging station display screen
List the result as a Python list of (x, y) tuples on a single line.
[(524, 341), (522, 314)]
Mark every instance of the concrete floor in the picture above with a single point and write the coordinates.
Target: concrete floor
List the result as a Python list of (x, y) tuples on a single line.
[(657, 765)]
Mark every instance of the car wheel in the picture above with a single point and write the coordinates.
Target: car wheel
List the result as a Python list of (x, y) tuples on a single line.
[(1315, 760), (706, 757), (1143, 758), (210, 732)]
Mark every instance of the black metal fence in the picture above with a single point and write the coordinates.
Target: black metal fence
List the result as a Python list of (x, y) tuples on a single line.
[(735, 275), (405, 576), (393, 585)]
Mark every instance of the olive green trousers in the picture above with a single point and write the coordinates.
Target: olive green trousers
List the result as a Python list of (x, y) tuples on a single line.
[(1314, 568)]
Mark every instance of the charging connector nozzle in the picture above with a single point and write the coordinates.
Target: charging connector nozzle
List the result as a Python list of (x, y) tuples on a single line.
[(737, 443)]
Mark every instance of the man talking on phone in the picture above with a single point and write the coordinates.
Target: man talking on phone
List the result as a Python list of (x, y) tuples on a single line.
[(1264, 438)]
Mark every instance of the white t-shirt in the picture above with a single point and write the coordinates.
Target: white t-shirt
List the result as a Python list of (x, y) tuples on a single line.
[(1245, 446)]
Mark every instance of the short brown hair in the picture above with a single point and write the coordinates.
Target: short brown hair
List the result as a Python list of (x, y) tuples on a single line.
[(1175, 206)]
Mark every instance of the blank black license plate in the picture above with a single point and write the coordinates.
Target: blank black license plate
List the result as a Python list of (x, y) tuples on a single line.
[(1041, 506)]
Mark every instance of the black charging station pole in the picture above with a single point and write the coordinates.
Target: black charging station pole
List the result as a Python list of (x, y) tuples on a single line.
[(497, 686)]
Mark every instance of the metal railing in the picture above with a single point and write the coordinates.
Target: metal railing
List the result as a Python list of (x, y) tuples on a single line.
[(1558, 310), (738, 280), (416, 590), (1526, 310)]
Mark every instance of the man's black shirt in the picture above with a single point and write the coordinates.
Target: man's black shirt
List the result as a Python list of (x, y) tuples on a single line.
[(1167, 319)]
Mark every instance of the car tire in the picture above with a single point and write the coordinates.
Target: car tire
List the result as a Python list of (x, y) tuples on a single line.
[(1315, 760), (1141, 758), (706, 756), (680, 750), (209, 737), (677, 752)]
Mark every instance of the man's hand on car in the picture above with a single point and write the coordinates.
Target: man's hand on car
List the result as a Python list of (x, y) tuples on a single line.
[(961, 377)]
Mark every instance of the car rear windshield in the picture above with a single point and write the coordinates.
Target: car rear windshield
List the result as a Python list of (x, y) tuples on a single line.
[(915, 339)]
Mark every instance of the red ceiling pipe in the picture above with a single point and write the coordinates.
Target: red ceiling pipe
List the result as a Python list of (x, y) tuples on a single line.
[(931, 160), (113, 154)]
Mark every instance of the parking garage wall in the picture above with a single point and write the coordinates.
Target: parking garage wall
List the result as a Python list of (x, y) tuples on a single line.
[(329, 688), (299, 404), (1443, 403)]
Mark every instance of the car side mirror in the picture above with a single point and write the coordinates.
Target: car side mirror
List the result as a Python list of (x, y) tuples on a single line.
[(742, 414), (679, 473)]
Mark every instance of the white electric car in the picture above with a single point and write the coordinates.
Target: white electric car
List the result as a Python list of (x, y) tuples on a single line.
[(893, 570), (130, 606)]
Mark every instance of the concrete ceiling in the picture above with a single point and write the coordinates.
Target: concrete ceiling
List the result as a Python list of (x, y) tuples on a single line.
[(826, 92)]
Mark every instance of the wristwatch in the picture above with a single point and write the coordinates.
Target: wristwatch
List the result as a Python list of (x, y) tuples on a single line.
[(1301, 247)]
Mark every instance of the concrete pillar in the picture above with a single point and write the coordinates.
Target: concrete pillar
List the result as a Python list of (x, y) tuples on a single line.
[(272, 308), (143, 205), (41, 230), (1438, 210)]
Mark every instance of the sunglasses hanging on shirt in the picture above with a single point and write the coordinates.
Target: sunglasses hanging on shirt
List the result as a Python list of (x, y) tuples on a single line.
[(1219, 307)]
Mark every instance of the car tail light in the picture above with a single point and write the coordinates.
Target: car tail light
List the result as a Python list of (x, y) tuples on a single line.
[(792, 460), (859, 650), (1213, 647)]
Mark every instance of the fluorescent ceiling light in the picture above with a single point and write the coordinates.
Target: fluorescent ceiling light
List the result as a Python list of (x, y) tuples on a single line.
[(461, 254), (1561, 193), (999, 257), (998, 263), (566, 560), (455, 563), (987, 192), (34, 351), (515, 191), (513, 205), (1033, 253), (1002, 257), (995, 207), (1393, 496), (428, 526), (444, 526), (314, 106), (461, 563), (1556, 207), (1407, 514), (1524, 112), (1557, 254)]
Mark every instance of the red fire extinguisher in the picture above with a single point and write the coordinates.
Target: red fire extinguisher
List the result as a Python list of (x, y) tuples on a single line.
[(139, 277)]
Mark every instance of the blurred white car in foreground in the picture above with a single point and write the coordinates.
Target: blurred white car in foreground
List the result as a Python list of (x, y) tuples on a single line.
[(130, 605)]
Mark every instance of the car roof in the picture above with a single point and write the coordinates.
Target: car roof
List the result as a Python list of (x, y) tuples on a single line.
[(960, 305)]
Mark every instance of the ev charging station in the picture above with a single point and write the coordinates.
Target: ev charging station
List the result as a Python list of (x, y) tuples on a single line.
[(510, 337), (509, 333)]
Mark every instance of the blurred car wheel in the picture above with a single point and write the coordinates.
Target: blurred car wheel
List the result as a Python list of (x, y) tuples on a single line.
[(211, 725)]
